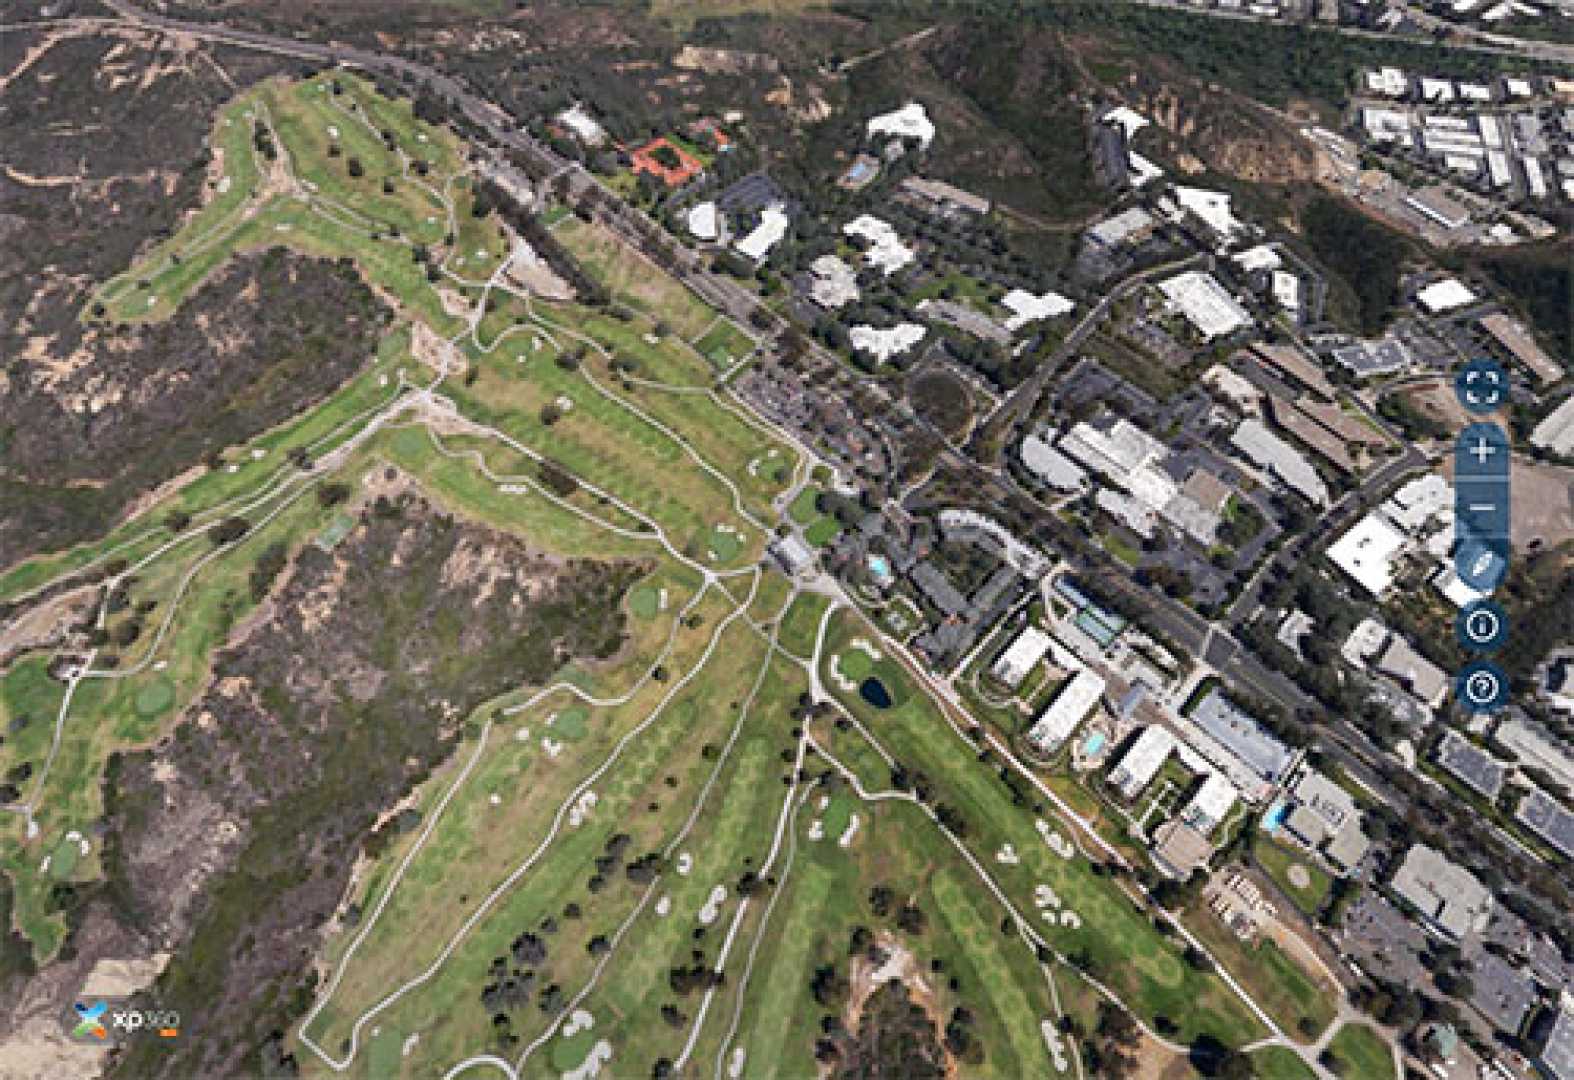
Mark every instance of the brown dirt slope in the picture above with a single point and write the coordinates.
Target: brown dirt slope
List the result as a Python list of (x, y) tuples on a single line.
[(230, 843)]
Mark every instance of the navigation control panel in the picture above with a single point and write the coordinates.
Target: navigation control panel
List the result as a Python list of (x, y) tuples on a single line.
[(1482, 532)]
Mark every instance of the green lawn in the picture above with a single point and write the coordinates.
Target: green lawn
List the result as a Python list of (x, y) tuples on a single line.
[(822, 532), (724, 344), (801, 624), (645, 601), (1281, 1063), (1363, 1052), (803, 510), (1276, 859)]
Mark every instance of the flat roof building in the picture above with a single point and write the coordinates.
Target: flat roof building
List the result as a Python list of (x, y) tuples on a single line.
[(1026, 307), (1548, 819), (1180, 848), (1205, 304), (1070, 707), (1535, 749), (1552, 1043), (1242, 735), (1445, 295), (886, 252), (1471, 765), (1287, 464), (1368, 551), (1141, 762), (911, 121), (1556, 430), (885, 342), (943, 197), (1433, 202), (1449, 897), (1128, 226), (1413, 671), (764, 236), (1023, 654), (834, 284), (1513, 336), (1051, 466), (1211, 805)]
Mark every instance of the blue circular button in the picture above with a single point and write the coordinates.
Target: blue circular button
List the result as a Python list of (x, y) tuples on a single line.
[(1481, 687), (1482, 385), (1482, 626)]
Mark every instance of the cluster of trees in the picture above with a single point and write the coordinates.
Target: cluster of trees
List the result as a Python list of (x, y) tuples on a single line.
[(491, 197), (270, 562)]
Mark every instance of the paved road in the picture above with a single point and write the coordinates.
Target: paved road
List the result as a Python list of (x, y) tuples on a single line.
[(1019, 405), (1464, 38)]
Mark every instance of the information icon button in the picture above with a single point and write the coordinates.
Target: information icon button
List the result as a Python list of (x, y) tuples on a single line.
[(1482, 687), (1482, 626)]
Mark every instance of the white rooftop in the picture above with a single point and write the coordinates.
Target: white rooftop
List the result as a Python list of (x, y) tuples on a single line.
[(1388, 81), (1213, 801), (1025, 307), (835, 283), (1364, 642), (766, 235), (1417, 502), (1121, 450), (1556, 430), (1448, 582), (886, 251), (584, 126), (910, 121), (1129, 119), (703, 221), (1137, 767), (1213, 207), (1445, 295), (1261, 257), (886, 343), (1287, 463), (1367, 552), (1205, 304), (1020, 658), (1069, 709), (1051, 466)]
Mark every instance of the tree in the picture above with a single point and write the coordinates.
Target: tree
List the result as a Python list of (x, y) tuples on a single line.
[(229, 530), (880, 899)]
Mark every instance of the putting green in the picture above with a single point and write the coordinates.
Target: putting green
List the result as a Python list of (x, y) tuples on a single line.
[(570, 1053), (645, 602), (155, 698), (569, 723), (63, 860), (837, 814), (854, 665), (724, 545)]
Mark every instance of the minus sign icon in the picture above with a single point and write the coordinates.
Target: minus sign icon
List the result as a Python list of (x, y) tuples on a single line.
[(1482, 507)]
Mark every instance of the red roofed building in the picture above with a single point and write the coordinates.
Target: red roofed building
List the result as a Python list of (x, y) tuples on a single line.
[(647, 159)]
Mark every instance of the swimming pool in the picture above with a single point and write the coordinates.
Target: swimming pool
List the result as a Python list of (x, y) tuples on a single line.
[(1275, 817), (1095, 743), (880, 568)]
